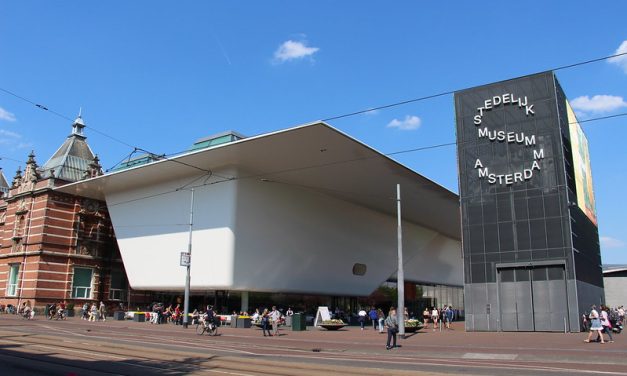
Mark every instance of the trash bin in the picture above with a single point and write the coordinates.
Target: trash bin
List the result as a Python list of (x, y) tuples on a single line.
[(233, 321), (139, 317), (288, 320), (118, 315), (46, 310), (298, 322), (243, 322)]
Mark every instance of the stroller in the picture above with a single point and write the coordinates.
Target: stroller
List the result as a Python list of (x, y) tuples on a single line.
[(617, 324)]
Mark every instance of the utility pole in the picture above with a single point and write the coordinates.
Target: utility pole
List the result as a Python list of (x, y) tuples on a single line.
[(189, 262), (400, 275)]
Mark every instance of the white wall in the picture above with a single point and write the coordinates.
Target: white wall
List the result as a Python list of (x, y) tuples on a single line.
[(290, 238), (615, 291), (151, 234), (268, 236)]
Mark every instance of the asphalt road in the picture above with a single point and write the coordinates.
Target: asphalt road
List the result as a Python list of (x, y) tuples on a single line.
[(76, 347)]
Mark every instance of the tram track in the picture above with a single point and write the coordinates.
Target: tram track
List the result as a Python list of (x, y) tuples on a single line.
[(166, 351)]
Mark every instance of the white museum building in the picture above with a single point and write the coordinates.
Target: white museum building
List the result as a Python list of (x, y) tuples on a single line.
[(305, 210)]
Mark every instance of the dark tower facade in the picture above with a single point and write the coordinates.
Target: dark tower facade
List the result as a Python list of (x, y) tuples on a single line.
[(529, 229)]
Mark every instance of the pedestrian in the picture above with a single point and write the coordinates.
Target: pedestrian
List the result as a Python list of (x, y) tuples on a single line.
[(361, 317), (373, 317), (605, 323), (381, 319), (434, 317), (85, 311), (391, 322), (426, 316), (595, 325), (275, 316), (93, 312), (448, 314), (102, 311), (265, 319)]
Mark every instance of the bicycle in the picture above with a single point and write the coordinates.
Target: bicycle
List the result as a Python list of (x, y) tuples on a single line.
[(206, 326)]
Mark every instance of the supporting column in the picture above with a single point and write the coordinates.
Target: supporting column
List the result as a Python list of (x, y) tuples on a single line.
[(244, 305)]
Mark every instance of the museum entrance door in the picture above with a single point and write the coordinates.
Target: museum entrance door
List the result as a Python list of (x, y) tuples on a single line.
[(532, 298)]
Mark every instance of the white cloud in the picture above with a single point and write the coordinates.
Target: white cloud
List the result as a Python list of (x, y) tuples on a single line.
[(608, 242), (291, 50), (6, 115), (598, 103), (621, 61), (410, 123), (10, 139), (5, 133), (372, 112)]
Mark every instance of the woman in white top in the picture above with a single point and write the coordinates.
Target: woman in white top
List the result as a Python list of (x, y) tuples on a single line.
[(595, 325), (434, 317), (605, 322)]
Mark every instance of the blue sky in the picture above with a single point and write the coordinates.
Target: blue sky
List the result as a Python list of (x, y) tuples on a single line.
[(160, 75)]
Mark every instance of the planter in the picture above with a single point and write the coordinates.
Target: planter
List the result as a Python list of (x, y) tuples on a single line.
[(332, 326), (409, 328)]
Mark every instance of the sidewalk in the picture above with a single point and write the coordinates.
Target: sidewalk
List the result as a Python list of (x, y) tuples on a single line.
[(426, 343)]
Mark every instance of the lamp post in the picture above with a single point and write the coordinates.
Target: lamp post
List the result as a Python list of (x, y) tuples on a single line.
[(400, 275), (189, 261)]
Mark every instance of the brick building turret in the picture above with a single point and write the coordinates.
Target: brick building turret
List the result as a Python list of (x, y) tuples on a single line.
[(56, 247)]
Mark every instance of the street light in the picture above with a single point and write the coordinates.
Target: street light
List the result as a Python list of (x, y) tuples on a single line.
[(187, 261), (400, 275)]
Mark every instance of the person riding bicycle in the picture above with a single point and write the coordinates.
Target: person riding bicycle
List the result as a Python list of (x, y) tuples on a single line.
[(209, 315), (52, 311)]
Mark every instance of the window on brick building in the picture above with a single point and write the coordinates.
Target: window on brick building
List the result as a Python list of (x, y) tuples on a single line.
[(117, 291), (81, 283), (14, 269)]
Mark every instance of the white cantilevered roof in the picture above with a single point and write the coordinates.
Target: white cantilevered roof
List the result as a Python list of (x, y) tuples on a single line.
[(313, 156)]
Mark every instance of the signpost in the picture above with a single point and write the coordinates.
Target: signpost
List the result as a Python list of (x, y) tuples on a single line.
[(186, 259)]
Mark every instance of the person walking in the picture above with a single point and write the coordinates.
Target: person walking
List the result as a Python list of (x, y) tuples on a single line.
[(102, 311), (426, 316), (391, 322), (93, 312), (434, 317), (381, 319), (275, 315), (372, 314), (362, 318), (85, 313), (605, 322), (265, 320), (448, 315), (595, 325)]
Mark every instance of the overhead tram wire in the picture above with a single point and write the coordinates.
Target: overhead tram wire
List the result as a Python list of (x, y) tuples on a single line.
[(271, 173), (135, 148), (40, 106), (326, 119), (433, 96)]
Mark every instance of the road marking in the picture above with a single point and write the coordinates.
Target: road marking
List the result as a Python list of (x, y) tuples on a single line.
[(486, 356)]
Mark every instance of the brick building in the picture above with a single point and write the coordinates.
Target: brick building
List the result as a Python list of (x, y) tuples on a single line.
[(56, 247)]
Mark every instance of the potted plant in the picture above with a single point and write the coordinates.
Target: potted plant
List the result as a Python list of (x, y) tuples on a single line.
[(413, 325), (333, 324)]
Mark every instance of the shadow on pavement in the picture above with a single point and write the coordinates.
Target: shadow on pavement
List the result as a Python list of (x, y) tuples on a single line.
[(16, 362)]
